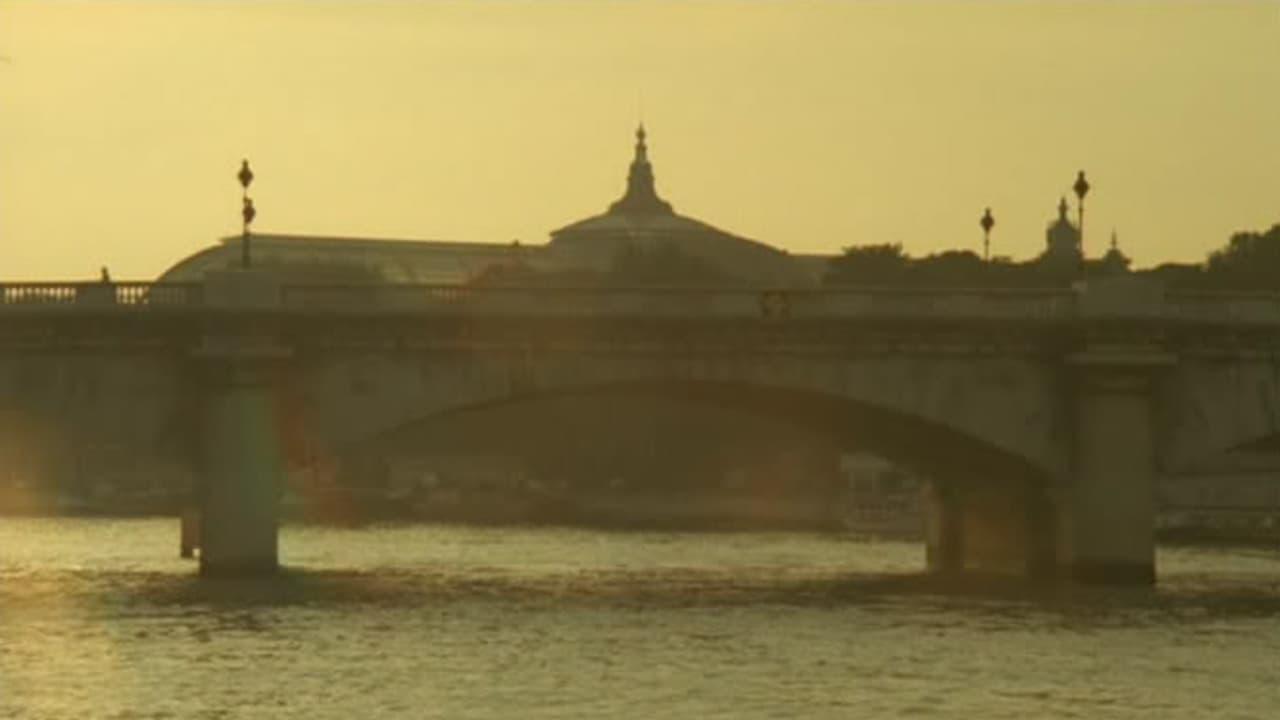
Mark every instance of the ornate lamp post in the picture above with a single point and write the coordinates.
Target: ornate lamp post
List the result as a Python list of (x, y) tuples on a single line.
[(247, 213), (1081, 188), (987, 222)]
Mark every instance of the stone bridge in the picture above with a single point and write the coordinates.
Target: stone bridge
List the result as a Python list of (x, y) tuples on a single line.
[(1042, 417)]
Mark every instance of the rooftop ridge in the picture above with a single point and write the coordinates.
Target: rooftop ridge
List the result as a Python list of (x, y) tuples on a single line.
[(290, 238)]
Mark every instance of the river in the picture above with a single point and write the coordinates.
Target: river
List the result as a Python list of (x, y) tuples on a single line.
[(100, 618)]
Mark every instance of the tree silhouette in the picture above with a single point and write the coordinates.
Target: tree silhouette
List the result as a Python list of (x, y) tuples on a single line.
[(883, 264), (888, 265), (1250, 260)]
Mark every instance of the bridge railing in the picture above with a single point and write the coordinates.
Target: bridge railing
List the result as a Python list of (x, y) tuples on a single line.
[(99, 295), (858, 302), (454, 299)]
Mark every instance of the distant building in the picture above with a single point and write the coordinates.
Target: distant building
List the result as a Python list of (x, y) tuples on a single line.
[(642, 221), (309, 258), (881, 498), (639, 221), (1114, 262), (1062, 249)]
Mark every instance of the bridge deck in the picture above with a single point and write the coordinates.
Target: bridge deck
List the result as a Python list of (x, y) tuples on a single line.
[(28, 298)]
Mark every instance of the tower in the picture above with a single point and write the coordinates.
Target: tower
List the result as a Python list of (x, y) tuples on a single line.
[(1062, 242)]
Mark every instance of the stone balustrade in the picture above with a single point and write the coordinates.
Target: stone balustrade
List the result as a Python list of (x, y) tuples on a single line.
[(125, 296), (261, 293)]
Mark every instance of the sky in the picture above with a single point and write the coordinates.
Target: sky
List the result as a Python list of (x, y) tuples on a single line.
[(808, 125)]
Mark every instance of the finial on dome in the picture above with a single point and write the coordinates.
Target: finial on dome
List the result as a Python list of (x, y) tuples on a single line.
[(1062, 207), (641, 196), (642, 150), (1115, 242)]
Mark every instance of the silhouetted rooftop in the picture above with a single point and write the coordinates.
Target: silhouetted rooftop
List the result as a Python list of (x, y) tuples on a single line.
[(386, 260)]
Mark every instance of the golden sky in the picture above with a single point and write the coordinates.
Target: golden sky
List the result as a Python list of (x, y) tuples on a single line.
[(808, 125)]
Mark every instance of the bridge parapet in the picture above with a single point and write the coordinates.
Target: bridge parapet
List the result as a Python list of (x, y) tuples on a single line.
[(1106, 300), (75, 296)]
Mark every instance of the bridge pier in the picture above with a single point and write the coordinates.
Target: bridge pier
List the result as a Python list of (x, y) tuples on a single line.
[(1099, 527), (944, 529), (992, 526), (1108, 512), (241, 485), (243, 462), (189, 532)]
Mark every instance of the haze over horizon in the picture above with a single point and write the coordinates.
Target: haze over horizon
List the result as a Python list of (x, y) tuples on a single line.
[(810, 126)]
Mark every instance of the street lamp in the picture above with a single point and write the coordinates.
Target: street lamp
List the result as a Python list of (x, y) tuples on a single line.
[(247, 213), (987, 222), (1082, 188)]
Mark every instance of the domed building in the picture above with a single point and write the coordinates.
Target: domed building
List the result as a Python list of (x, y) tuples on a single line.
[(640, 230), (1062, 242), (311, 259), (1115, 262), (641, 222)]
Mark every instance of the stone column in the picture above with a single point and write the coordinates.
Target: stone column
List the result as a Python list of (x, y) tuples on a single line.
[(189, 531), (1110, 506), (242, 468), (1003, 526), (1042, 535), (944, 528), (242, 460)]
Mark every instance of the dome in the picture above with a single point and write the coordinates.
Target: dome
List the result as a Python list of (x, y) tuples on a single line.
[(641, 220), (1062, 240)]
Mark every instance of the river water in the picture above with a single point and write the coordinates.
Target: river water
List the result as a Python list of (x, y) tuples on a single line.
[(99, 618)]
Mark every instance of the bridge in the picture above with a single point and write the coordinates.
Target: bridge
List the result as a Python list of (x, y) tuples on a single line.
[(1042, 417)]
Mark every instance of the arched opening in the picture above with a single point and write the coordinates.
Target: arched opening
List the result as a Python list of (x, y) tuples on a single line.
[(985, 509)]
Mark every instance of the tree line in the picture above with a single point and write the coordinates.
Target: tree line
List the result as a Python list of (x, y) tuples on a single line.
[(1249, 261)]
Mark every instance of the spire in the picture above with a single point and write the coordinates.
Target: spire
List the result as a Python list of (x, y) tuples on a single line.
[(1062, 208), (642, 150), (641, 197), (1115, 262)]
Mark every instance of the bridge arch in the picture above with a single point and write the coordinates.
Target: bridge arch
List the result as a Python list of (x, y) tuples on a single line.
[(935, 450), (999, 416), (986, 430)]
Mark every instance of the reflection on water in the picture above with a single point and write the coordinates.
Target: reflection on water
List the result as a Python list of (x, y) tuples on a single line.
[(99, 618)]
